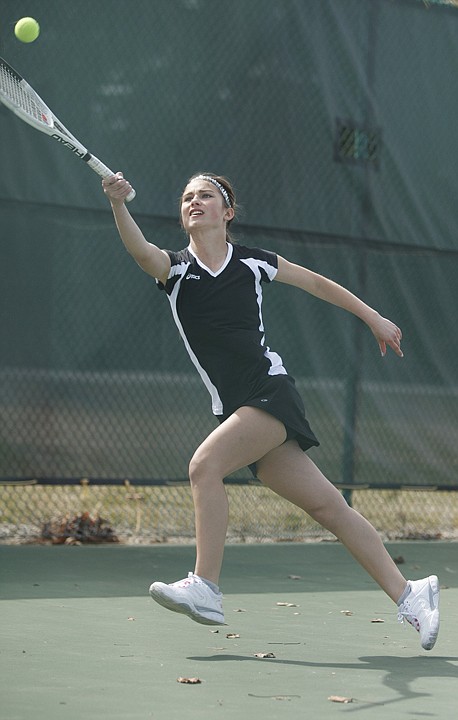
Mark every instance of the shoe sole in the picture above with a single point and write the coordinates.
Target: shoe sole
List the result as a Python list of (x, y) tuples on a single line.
[(184, 609), (435, 620)]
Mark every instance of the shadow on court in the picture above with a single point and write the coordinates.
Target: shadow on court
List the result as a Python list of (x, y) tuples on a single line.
[(82, 638), (396, 673)]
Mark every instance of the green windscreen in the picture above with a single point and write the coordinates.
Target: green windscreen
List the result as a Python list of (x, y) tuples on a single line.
[(336, 122)]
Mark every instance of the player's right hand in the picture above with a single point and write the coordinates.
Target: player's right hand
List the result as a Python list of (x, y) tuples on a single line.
[(116, 188)]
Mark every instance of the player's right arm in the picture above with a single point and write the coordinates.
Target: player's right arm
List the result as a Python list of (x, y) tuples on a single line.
[(151, 259)]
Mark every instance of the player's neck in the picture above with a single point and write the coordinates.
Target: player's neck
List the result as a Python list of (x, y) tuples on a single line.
[(211, 249)]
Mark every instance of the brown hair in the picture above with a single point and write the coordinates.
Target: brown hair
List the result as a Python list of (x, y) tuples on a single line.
[(227, 185)]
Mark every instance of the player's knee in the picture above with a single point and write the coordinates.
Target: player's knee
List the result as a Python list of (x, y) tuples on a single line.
[(203, 467), (330, 514), (323, 515)]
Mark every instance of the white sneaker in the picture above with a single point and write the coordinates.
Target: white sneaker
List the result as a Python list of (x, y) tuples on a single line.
[(192, 597), (421, 609)]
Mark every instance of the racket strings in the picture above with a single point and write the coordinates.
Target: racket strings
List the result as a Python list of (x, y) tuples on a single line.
[(14, 92)]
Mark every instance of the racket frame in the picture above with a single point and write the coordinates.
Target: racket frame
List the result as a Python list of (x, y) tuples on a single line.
[(48, 123)]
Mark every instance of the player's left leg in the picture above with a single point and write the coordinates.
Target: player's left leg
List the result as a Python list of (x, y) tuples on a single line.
[(289, 472), (292, 474)]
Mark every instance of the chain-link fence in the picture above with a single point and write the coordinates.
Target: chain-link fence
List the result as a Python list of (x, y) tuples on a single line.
[(131, 514), (334, 120)]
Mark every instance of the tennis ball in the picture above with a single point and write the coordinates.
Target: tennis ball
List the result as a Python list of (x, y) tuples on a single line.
[(27, 29)]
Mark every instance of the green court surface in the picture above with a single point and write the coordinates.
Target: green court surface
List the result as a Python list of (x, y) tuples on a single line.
[(82, 640)]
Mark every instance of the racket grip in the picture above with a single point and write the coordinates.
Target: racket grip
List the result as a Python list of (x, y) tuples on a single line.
[(101, 169)]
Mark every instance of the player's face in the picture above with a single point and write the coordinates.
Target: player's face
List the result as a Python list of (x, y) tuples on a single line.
[(202, 205)]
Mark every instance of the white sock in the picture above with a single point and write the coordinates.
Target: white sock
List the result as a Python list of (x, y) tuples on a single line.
[(210, 584), (404, 594)]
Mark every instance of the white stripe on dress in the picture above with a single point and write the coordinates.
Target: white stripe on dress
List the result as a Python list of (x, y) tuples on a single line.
[(181, 269), (276, 363)]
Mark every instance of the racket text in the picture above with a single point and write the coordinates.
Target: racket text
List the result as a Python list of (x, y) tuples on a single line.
[(81, 152)]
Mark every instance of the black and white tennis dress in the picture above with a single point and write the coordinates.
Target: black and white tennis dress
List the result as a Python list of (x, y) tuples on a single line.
[(219, 317)]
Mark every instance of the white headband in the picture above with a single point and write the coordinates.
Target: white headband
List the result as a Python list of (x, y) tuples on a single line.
[(220, 187)]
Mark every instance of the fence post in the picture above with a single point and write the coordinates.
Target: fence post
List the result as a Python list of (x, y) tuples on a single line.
[(353, 388), (354, 379)]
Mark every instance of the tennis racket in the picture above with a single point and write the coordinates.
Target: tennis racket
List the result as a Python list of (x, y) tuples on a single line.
[(22, 99)]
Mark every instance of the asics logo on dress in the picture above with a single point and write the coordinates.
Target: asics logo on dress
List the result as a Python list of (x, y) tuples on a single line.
[(190, 276)]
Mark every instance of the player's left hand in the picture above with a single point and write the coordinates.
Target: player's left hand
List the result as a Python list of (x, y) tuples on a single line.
[(387, 333)]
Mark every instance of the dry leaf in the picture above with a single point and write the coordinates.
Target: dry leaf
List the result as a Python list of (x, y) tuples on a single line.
[(399, 560), (346, 612), (295, 577), (377, 620), (231, 636), (264, 655), (71, 541), (131, 618), (189, 681), (286, 604), (340, 699), (239, 610)]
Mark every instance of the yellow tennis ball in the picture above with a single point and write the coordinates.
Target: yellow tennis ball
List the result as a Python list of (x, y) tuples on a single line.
[(27, 29)]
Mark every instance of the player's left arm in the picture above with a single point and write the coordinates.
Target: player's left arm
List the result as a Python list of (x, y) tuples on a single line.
[(385, 332)]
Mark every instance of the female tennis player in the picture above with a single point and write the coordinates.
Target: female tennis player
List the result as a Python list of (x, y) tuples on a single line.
[(215, 291)]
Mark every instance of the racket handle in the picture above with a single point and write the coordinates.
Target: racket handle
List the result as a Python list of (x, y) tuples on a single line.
[(101, 169)]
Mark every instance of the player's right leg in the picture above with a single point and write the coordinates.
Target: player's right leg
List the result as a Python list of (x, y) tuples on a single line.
[(242, 439)]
